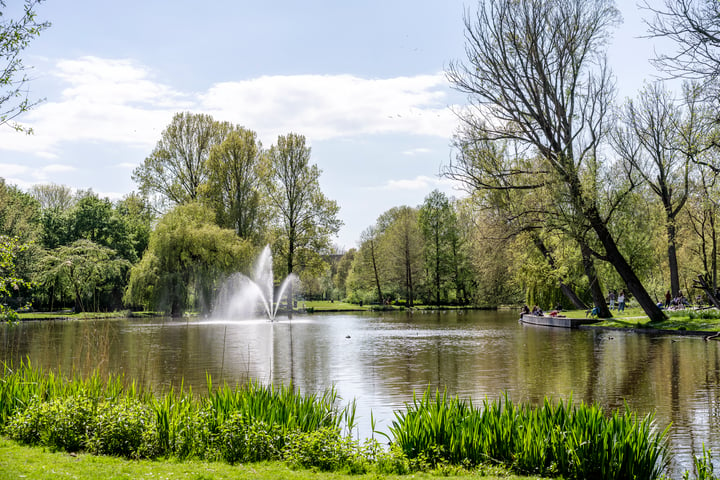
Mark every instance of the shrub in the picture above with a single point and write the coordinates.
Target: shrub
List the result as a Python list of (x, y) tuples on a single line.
[(324, 449), (124, 429), (26, 426), (243, 439)]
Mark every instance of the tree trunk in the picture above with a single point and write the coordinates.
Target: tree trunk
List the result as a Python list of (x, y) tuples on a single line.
[(595, 288), (375, 271), (672, 258), (623, 268), (565, 288)]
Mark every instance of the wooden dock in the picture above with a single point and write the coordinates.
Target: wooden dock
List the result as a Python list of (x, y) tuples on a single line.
[(562, 322)]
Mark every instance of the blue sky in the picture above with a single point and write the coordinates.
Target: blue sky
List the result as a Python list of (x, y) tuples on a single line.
[(363, 81)]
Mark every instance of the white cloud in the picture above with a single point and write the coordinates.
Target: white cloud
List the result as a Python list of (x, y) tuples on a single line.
[(322, 107), (118, 101), (421, 182), (106, 100)]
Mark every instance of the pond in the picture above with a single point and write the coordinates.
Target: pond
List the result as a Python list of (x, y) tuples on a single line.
[(380, 359)]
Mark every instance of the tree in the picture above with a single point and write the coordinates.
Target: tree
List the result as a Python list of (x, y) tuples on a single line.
[(10, 281), (19, 213), (89, 269), (15, 36), (694, 25), (403, 247), (233, 187), (53, 196), (177, 166), (436, 218), (650, 140), (186, 258), (367, 265), (342, 271), (536, 76), (306, 218)]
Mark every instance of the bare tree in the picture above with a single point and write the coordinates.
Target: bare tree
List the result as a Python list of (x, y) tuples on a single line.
[(536, 76), (649, 137), (694, 26)]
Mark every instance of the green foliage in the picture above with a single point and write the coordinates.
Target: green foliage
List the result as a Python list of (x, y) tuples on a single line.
[(61, 423), (176, 168), (19, 213), (703, 467), (10, 281), (244, 439), (562, 439), (233, 185), (187, 254), (325, 449), (85, 269), (438, 225), (123, 429), (306, 218)]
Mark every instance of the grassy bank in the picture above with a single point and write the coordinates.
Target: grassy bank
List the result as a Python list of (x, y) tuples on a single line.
[(707, 320), (17, 461), (255, 424)]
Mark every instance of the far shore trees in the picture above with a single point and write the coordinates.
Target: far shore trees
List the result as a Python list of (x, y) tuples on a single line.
[(536, 76)]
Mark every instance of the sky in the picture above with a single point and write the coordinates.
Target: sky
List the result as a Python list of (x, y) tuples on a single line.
[(363, 81)]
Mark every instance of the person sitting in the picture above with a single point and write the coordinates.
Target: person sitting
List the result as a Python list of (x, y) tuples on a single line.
[(537, 311), (524, 310)]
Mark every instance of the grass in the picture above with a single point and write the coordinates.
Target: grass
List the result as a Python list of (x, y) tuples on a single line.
[(327, 306), (634, 317), (37, 463), (68, 315)]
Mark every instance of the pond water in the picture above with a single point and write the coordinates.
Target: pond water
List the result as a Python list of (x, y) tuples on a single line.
[(380, 359)]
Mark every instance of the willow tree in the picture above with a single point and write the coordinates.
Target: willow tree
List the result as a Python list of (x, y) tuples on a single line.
[(188, 255), (536, 76)]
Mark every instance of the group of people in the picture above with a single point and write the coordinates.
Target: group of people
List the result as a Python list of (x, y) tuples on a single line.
[(620, 297), (537, 311), (676, 303)]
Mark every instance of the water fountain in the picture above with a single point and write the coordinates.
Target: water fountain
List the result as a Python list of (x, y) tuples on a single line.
[(242, 297)]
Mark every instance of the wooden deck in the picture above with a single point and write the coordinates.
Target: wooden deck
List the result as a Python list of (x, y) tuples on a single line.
[(562, 322)]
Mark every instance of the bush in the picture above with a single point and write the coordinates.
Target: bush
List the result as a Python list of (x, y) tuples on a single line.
[(243, 439), (26, 426), (60, 424), (324, 449), (125, 429)]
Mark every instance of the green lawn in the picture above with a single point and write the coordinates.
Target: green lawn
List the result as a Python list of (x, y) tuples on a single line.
[(18, 462), (634, 317)]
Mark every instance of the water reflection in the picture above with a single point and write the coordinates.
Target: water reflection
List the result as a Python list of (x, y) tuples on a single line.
[(379, 359)]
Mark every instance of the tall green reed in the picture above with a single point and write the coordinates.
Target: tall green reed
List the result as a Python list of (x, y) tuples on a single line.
[(554, 439)]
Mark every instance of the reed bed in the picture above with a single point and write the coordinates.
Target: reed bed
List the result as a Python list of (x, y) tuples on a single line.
[(561, 439), (255, 422)]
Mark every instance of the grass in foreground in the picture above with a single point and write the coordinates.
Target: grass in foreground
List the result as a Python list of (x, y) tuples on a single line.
[(38, 463)]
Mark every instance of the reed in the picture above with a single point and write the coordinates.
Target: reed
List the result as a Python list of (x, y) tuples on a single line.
[(554, 439)]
